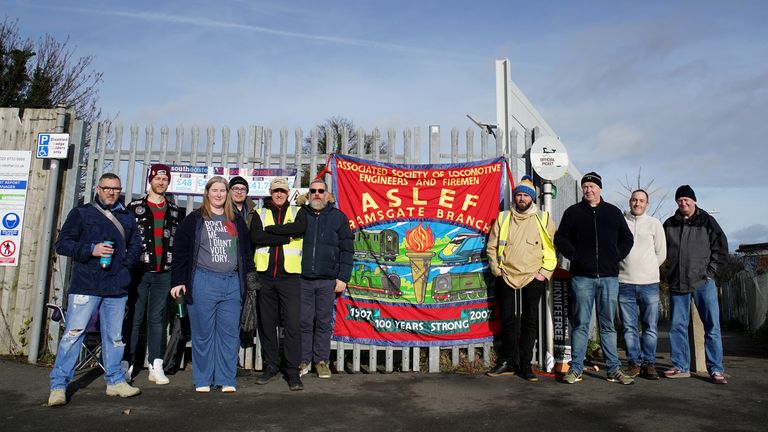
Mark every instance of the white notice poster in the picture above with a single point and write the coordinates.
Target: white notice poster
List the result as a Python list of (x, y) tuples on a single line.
[(14, 177)]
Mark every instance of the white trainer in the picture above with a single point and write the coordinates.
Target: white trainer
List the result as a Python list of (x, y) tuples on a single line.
[(157, 374)]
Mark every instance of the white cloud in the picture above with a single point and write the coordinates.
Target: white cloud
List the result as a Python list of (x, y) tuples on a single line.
[(616, 141)]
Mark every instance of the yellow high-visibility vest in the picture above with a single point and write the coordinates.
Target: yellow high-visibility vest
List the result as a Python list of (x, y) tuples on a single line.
[(547, 247), (291, 251)]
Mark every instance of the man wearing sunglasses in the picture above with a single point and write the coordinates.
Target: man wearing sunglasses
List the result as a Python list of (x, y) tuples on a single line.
[(104, 242), (326, 267)]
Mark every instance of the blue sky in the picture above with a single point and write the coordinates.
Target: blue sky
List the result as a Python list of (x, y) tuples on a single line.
[(677, 88)]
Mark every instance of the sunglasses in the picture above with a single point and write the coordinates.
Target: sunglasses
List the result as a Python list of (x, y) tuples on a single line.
[(319, 191)]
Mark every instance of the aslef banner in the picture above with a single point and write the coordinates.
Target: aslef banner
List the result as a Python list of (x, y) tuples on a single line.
[(420, 274)]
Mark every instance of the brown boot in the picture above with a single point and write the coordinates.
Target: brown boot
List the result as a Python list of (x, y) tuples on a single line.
[(648, 371), (632, 370)]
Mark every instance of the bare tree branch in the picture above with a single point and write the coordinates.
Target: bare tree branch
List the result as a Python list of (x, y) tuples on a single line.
[(660, 204)]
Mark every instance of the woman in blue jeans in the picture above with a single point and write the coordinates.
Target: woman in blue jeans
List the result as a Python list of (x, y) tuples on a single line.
[(212, 255)]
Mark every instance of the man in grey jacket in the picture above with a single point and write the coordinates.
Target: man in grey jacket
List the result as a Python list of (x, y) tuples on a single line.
[(697, 249)]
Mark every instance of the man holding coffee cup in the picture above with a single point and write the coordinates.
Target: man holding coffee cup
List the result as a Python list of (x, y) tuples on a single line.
[(93, 289)]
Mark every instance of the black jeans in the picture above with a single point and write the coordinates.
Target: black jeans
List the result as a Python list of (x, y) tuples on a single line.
[(280, 297), (514, 352)]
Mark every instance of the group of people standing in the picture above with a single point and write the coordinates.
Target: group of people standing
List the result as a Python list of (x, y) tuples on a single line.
[(614, 266), (300, 257), (128, 259)]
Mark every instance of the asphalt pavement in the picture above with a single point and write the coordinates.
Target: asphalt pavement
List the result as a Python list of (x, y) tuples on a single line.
[(402, 401)]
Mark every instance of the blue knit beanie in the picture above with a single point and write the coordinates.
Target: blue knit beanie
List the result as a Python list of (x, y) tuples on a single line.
[(526, 186)]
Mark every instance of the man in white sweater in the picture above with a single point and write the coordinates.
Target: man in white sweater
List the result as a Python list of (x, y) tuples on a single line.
[(639, 287)]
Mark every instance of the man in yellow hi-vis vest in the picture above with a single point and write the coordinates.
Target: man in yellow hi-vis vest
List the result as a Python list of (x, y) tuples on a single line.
[(278, 261), (522, 257)]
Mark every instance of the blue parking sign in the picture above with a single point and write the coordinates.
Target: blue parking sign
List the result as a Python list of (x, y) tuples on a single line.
[(52, 145)]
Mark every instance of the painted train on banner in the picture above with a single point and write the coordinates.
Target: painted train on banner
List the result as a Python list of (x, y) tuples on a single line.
[(420, 274), (459, 274)]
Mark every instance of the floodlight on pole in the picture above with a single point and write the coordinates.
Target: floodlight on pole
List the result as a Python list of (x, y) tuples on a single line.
[(487, 127)]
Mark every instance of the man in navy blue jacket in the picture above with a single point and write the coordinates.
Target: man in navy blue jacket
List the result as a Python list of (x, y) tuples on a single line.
[(103, 240), (594, 236), (326, 267)]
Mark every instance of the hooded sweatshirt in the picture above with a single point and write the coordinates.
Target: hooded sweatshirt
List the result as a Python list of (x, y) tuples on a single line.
[(523, 256)]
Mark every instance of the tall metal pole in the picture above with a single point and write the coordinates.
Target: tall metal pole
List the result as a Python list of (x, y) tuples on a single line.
[(548, 346), (44, 248)]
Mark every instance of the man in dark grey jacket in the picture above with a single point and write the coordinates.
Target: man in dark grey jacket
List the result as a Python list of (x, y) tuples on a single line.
[(697, 249)]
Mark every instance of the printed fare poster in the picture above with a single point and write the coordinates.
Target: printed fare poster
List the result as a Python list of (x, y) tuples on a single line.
[(420, 273)]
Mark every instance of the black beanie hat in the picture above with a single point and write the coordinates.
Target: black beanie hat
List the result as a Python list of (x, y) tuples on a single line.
[(593, 177), (238, 180), (685, 191)]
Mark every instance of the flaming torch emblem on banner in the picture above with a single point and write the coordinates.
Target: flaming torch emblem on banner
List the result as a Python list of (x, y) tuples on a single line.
[(419, 241)]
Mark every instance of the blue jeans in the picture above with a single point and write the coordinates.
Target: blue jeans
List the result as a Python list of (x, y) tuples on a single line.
[(152, 302), (640, 350), (584, 293), (80, 309), (317, 297), (706, 302), (214, 316)]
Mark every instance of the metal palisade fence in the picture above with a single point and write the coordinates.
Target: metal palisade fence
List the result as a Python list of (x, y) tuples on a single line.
[(129, 152)]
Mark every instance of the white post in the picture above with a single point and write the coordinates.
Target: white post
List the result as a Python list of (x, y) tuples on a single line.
[(548, 344), (502, 104)]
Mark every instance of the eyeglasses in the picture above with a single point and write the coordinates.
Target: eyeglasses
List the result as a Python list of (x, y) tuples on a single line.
[(110, 189), (239, 189), (318, 191)]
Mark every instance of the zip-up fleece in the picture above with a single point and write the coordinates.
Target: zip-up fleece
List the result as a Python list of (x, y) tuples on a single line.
[(594, 239), (697, 249)]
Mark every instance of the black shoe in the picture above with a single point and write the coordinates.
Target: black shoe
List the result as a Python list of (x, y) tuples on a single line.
[(295, 384), (528, 375), (502, 369), (267, 376)]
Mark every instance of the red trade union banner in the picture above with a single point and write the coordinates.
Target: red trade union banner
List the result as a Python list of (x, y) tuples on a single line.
[(420, 275)]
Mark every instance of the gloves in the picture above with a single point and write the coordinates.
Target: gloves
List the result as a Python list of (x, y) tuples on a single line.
[(252, 282)]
